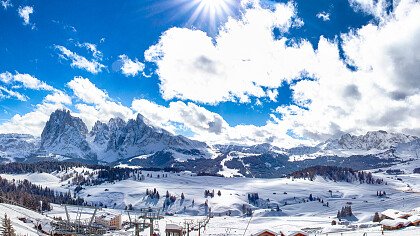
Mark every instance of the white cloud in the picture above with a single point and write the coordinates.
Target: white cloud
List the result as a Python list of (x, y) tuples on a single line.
[(382, 92), (6, 93), (87, 91), (92, 48), (93, 66), (6, 77), (58, 97), (377, 8), (24, 80), (323, 16), (208, 126), (130, 67), (24, 13), (32, 122), (272, 94), (240, 62), (28, 81), (6, 4), (96, 105)]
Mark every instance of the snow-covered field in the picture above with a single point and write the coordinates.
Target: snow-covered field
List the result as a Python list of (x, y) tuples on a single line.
[(296, 213)]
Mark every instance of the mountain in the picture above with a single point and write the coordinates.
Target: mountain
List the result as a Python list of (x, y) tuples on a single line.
[(119, 139), (65, 135), (68, 137), (259, 148), (379, 140), (16, 146), (137, 142)]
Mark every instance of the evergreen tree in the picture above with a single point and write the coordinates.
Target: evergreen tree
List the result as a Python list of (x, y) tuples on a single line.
[(7, 228)]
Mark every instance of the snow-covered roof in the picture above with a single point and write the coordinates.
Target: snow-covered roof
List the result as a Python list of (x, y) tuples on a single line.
[(414, 218), (395, 223), (416, 210), (108, 216), (266, 230), (394, 214), (297, 233), (173, 227)]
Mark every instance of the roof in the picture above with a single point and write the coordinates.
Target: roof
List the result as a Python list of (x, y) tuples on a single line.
[(297, 233), (173, 227), (108, 216), (414, 218), (416, 210), (266, 231), (395, 223), (394, 214)]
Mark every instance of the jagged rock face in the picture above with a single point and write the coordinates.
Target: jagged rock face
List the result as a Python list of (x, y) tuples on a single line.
[(380, 140), (14, 146), (410, 149), (65, 135), (119, 139), (100, 132)]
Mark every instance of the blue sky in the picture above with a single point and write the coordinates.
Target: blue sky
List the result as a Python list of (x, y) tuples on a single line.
[(115, 28)]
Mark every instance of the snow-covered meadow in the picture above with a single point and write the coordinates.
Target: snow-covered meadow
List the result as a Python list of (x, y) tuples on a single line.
[(291, 195)]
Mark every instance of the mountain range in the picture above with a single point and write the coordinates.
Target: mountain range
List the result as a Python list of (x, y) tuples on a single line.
[(136, 142)]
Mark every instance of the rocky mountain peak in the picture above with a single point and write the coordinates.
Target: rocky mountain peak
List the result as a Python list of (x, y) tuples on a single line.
[(116, 123), (65, 135), (380, 140)]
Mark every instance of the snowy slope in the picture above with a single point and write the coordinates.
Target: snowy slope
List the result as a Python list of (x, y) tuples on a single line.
[(22, 228), (290, 194), (14, 146)]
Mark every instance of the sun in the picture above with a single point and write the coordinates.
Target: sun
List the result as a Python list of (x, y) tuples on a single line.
[(202, 14), (210, 10)]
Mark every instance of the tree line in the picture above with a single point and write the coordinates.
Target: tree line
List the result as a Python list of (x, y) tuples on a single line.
[(336, 173), (26, 194)]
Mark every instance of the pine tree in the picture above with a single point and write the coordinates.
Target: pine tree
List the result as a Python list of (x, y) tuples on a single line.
[(7, 228)]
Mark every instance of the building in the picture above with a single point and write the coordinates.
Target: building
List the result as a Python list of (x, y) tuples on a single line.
[(173, 230), (109, 220), (268, 232), (392, 214), (388, 224), (299, 233), (414, 220)]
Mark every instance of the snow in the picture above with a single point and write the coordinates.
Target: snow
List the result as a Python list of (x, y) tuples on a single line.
[(22, 228), (289, 194), (395, 223), (228, 172), (394, 214), (414, 218), (44, 179)]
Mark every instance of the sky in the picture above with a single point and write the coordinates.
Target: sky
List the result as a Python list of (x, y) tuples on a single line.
[(220, 71)]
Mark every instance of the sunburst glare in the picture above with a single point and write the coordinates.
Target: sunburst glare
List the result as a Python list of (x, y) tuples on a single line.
[(207, 12)]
